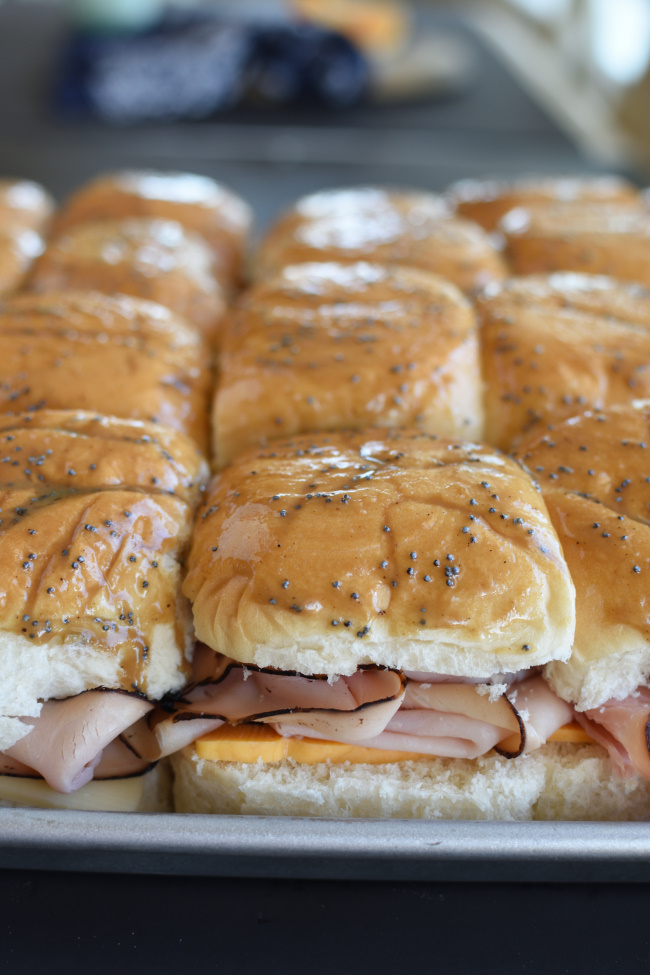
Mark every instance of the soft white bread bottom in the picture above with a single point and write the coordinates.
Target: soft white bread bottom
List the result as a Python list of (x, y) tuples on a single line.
[(559, 781), (150, 792)]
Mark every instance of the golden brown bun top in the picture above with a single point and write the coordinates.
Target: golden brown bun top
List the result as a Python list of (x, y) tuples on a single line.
[(374, 224), (594, 471), (118, 355), (197, 202), (608, 238), (553, 346), (330, 346), (323, 553), (94, 519), (24, 205), (18, 248), (79, 450), (486, 201), (152, 259), (600, 454)]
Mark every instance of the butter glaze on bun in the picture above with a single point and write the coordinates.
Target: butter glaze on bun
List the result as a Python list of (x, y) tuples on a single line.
[(24, 205), (553, 346), (153, 259), (116, 355), (486, 201), (384, 227), (610, 238), (199, 203), (331, 346), (594, 471), (96, 515), (324, 553)]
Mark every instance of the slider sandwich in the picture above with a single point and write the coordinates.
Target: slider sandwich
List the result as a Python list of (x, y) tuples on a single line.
[(594, 471), (154, 259), (330, 346), (610, 238), (118, 355), (486, 201), (374, 609), (96, 516), (199, 203), (383, 227), (25, 210), (556, 345)]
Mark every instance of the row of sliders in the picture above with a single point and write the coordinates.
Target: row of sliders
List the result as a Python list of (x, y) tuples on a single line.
[(394, 618), (106, 356), (386, 607)]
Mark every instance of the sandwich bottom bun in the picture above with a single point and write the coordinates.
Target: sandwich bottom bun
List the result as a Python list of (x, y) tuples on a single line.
[(150, 792), (560, 781)]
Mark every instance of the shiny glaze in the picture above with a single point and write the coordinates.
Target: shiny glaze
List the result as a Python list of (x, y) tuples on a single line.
[(486, 201), (558, 345), (372, 224), (18, 249), (199, 203), (24, 205), (90, 534), (331, 346), (117, 355), (609, 238), (594, 471), (335, 537), (153, 259)]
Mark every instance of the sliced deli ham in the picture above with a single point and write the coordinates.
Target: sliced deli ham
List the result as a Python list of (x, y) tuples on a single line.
[(68, 738), (623, 728), (377, 708)]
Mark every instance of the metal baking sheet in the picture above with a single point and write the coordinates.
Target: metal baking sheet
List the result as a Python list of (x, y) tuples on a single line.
[(251, 846)]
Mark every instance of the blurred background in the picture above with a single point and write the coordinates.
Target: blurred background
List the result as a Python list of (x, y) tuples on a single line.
[(281, 98)]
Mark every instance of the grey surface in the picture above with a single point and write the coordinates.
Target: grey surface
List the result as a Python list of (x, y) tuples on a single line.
[(243, 846)]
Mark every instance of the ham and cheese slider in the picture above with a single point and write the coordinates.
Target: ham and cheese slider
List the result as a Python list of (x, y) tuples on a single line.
[(117, 355), (25, 211), (96, 515), (332, 346), (378, 597), (594, 471), (486, 201), (153, 259), (198, 203), (556, 345), (610, 238), (383, 227)]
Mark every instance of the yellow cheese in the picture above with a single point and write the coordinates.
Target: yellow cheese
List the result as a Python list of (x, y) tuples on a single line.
[(574, 733), (109, 795), (253, 742), (249, 743)]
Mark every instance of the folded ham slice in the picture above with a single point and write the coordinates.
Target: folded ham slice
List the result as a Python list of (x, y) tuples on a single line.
[(435, 715), (68, 739), (623, 728)]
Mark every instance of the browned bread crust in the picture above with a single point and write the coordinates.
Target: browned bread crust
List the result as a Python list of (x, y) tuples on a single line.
[(384, 227), (331, 346)]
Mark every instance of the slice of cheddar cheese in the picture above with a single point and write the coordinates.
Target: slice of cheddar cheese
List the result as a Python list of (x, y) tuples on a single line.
[(258, 742)]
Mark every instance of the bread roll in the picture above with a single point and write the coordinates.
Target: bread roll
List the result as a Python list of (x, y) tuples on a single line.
[(153, 259), (96, 515), (594, 471), (384, 227), (324, 553), (486, 201), (199, 203), (117, 355), (611, 239), (24, 205), (553, 346), (559, 781), (330, 346), (18, 249)]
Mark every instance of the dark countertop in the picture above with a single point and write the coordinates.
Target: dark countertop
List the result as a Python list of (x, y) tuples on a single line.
[(95, 923)]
